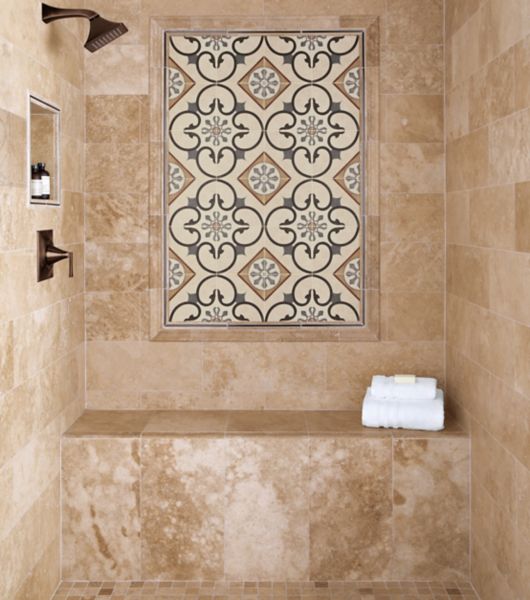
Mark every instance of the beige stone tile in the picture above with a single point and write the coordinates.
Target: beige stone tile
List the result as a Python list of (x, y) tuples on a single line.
[(467, 161), (457, 111), (431, 509), (278, 8), (482, 336), (412, 118), (496, 528), (522, 69), (522, 217), (346, 540), (113, 315), (100, 508), (411, 267), (503, 23), (414, 22), (457, 12), (107, 423), (167, 8), (468, 273), (509, 148), (457, 218), (182, 508), (510, 285), (42, 581), (268, 421), (113, 119), (412, 218), (493, 468), (21, 549), (522, 358), (117, 69), (267, 485), (116, 267), (336, 421), (245, 368), (417, 317), (464, 56), (412, 168), (489, 583), (117, 367), (412, 69), (12, 149), (492, 217), (117, 168), (187, 422), (116, 217), (492, 91), (6, 356)]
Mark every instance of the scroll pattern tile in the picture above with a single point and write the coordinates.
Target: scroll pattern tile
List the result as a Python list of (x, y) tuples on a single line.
[(264, 170)]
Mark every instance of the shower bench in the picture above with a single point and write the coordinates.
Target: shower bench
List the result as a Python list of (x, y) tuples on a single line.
[(261, 495)]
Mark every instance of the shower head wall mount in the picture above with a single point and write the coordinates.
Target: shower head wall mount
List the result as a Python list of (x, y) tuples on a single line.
[(101, 33)]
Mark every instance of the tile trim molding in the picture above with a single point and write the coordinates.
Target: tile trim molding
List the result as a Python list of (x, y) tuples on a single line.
[(367, 332)]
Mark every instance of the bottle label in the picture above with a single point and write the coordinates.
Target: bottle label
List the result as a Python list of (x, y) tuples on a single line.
[(45, 185), (36, 188)]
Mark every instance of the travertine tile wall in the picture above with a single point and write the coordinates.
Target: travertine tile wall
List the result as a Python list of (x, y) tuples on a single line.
[(488, 300), (124, 369), (41, 324)]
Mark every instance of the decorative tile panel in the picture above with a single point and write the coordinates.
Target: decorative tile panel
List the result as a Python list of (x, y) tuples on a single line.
[(264, 179)]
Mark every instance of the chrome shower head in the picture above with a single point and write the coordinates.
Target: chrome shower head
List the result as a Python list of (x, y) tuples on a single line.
[(101, 33)]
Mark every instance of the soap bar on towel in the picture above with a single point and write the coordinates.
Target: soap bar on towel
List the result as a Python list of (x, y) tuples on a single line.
[(385, 387), (428, 415)]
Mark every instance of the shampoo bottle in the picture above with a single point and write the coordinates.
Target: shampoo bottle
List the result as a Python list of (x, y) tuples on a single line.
[(36, 183), (45, 178)]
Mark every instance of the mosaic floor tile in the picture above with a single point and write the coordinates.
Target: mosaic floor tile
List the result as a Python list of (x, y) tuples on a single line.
[(264, 590), (264, 187)]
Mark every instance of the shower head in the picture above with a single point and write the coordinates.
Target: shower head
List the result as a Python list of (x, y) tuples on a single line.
[(101, 33)]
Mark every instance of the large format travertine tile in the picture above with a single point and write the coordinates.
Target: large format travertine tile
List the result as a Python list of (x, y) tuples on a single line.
[(182, 508), (431, 508), (351, 508), (267, 508), (101, 508)]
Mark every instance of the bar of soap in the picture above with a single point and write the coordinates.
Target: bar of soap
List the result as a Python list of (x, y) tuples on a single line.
[(404, 378)]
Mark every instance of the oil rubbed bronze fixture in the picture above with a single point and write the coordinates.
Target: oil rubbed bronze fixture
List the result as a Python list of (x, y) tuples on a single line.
[(101, 33), (48, 255)]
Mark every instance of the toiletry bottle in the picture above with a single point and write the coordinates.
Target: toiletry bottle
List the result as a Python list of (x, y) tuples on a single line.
[(45, 178), (36, 183)]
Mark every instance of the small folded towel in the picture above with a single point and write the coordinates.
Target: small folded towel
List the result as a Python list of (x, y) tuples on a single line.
[(428, 415), (385, 387)]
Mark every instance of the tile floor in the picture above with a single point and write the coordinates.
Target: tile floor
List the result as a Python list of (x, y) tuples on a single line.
[(314, 590)]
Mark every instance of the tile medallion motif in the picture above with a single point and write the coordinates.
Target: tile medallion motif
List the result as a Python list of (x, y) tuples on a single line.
[(264, 179)]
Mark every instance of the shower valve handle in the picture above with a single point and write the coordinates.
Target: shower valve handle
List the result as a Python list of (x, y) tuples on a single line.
[(54, 255), (48, 254)]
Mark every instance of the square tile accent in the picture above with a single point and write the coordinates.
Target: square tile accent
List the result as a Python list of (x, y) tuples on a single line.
[(264, 179)]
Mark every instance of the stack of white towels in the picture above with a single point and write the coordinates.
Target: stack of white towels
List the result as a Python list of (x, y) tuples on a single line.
[(404, 401)]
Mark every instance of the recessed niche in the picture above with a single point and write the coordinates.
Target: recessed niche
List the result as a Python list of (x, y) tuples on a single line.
[(44, 181)]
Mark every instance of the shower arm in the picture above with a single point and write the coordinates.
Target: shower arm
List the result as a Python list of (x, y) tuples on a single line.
[(51, 13)]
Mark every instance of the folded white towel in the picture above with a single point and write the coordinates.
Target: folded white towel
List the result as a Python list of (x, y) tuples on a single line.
[(428, 415), (385, 387)]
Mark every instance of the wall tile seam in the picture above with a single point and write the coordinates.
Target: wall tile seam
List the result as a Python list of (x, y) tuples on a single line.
[(490, 309), (42, 371), (502, 381), (490, 124), (44, 66), (493, 249), (32, 569), (43, 492), (485, 549), (491, 562)]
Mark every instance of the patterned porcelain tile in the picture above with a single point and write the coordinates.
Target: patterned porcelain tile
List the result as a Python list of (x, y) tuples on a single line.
[(264, 179)]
